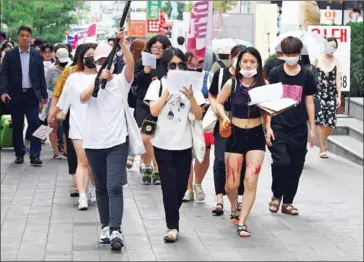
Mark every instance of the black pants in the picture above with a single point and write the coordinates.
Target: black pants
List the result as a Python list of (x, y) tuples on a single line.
[(219, 167), (288, 151), (174, 170), (71, 153), (27, 105)]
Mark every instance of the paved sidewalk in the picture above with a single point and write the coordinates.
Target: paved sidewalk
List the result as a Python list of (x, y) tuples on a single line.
[(39, 221)]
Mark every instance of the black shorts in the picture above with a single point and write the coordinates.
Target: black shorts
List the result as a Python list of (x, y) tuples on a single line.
[(244, 140), (142, 111)]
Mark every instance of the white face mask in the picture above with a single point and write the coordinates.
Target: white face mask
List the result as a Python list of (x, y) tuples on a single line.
[(291, 60), (330, 50), (248, 73)]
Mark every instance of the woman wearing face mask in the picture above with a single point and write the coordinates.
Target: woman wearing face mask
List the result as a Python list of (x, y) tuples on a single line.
[(219, 79), (247, 136), (173, 155), (105, 139), (70, 100), (286, 133), (51, 76), (329, 92), (143, 76)]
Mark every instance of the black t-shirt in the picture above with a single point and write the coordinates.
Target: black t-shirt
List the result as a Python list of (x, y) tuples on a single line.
[(272, 63), (214, 89), (296, 87)]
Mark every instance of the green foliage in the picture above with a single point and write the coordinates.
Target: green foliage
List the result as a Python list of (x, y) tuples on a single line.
[(167, 9), (357, 60), (223, 5), (48, 19)]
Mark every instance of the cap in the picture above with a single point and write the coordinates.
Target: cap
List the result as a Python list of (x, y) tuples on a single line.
[(63, 55), (224, 51), (102, 51)]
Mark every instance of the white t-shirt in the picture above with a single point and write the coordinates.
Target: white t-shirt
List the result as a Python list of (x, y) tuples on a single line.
[(70, 100), (104, 125), (173, 126)]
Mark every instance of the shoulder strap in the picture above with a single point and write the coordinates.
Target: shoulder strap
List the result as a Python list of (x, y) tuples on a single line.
[(221, 74), (160, 88), (221, 63)]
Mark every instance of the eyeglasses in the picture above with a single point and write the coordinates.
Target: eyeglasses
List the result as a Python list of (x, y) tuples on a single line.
[(156, 48), (180, 65)]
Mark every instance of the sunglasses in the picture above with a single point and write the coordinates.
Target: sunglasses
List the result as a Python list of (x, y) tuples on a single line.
[(180, 65)]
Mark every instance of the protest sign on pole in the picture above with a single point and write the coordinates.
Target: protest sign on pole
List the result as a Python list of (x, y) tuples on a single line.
[(200, 30)]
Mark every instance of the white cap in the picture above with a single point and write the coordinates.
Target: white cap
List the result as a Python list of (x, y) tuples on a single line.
[(224, 51), (102, 51), (63, 55)]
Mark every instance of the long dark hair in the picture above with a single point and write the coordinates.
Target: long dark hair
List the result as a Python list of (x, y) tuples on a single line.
[(78, 51), (259, 77), (80, 63), (169, 53)]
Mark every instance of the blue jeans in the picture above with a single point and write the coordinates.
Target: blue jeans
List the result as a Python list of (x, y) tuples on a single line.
[(109, 170)]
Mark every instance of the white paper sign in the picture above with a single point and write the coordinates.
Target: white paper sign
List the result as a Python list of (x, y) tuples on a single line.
[(149, 60), (177, 80), (343, 36), (42, 132), (267, 93)]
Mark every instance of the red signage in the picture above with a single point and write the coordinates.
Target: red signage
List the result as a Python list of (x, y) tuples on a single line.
[(340, 34)]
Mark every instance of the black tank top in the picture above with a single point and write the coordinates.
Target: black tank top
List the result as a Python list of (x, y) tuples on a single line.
[(239, 102)]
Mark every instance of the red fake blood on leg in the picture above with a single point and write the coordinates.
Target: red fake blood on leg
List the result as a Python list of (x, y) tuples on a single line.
[(257, 169), (228, 169)]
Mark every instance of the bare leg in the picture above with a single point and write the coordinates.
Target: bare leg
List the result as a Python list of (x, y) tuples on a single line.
[(321, 137), (53, 140), (254, 161), (201, 168), (83, 168), (233, 164), (148, 155), (155, 165), (190, 178), (328, 132)]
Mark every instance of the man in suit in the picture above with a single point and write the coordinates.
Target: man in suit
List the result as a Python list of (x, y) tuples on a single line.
[(23, 86)]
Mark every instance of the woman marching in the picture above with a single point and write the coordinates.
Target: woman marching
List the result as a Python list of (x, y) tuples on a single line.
[(247, 138)]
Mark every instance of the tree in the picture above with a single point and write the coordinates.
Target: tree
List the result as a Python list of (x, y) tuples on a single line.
[(49, 20), (167, 9), (224, 6)]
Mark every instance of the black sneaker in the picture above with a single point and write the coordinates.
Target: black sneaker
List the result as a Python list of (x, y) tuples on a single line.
[(116, 241), (19, 160), (147, 175), (156, 178), (35, 161)]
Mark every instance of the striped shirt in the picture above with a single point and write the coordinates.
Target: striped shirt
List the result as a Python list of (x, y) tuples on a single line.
[(51, 76)]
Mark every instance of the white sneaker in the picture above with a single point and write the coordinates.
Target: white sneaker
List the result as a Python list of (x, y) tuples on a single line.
[(188, 196), (200, 194), (105, 235), (82, 203), (116, 241), (92, 193)]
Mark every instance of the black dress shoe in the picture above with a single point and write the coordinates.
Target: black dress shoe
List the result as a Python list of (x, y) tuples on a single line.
[(19, 160), (35, 161)]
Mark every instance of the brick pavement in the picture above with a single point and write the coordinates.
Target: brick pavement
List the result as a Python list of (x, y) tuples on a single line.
[(39, 221)]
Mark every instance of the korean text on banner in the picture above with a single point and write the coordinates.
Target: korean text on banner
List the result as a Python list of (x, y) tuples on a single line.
[(200, 30), (343, 36)]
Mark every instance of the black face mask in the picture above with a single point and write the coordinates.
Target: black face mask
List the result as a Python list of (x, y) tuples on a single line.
[(63, 64), (196, 70), (89, 62)]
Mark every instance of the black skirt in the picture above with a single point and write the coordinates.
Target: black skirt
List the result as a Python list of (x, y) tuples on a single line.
[(142, 111)]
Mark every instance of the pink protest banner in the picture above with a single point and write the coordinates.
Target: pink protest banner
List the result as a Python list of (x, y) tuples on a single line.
[(200, 31)]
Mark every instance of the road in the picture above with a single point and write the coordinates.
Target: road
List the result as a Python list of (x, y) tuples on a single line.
[(39, 221)]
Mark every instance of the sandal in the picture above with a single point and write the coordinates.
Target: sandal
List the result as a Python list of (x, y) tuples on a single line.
[(289, 210), (274, 207), (57, 156), (234, 217), (243, 228), (218, 209), (239, 206), (324, 154), (171, 236)]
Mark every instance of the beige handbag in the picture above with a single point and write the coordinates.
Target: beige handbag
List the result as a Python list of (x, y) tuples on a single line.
[(61, 116)]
